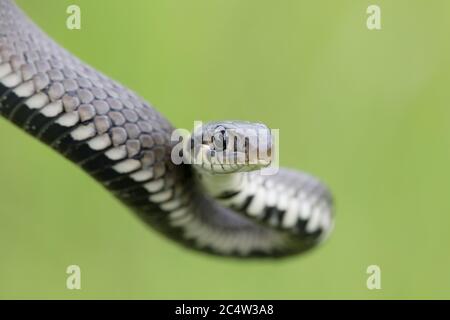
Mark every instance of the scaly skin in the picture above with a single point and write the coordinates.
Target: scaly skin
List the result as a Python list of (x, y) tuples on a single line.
[(124, 143)]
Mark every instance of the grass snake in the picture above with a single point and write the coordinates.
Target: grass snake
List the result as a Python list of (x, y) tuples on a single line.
[(125, 144)]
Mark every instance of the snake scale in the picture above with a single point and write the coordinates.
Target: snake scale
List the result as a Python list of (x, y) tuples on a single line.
[(125, 144)]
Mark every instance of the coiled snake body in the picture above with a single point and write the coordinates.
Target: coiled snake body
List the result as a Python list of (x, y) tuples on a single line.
[(125, 144)]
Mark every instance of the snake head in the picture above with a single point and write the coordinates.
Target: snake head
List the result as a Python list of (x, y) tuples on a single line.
[(232, 146)]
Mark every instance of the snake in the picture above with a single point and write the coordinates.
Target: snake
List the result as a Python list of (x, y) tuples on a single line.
[(205, 190)]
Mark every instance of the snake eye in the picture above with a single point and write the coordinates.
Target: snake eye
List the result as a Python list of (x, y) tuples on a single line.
[(220, 140)]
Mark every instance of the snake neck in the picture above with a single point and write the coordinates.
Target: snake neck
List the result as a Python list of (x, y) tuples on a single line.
[(220, 185), (272, 201)]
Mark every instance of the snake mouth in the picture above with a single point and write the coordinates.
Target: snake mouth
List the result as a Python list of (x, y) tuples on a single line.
[(232, 161), (237, 158)]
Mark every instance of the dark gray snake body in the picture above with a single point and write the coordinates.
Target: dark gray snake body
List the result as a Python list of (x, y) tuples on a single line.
[(124, 143)]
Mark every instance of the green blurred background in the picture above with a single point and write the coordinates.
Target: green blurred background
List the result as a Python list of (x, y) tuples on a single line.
[(367, 111)]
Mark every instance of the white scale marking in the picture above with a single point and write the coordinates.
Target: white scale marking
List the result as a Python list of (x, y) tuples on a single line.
[(271, 198), (154, 186), (257, 204), (83, 132), (291, 215), (305, 207), (325, 221), (11, 80), (161, 196), (142, 175), (170, 205), (5, 69), (128, 165), (25, 89), (100, 143), (247, 190), (68, 119), (270, 184), (117, 153), (182, 221), (283, 200), (52, 109), (192, 229), (37, 101), (314, 221), (201, 234), (178, 213)]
